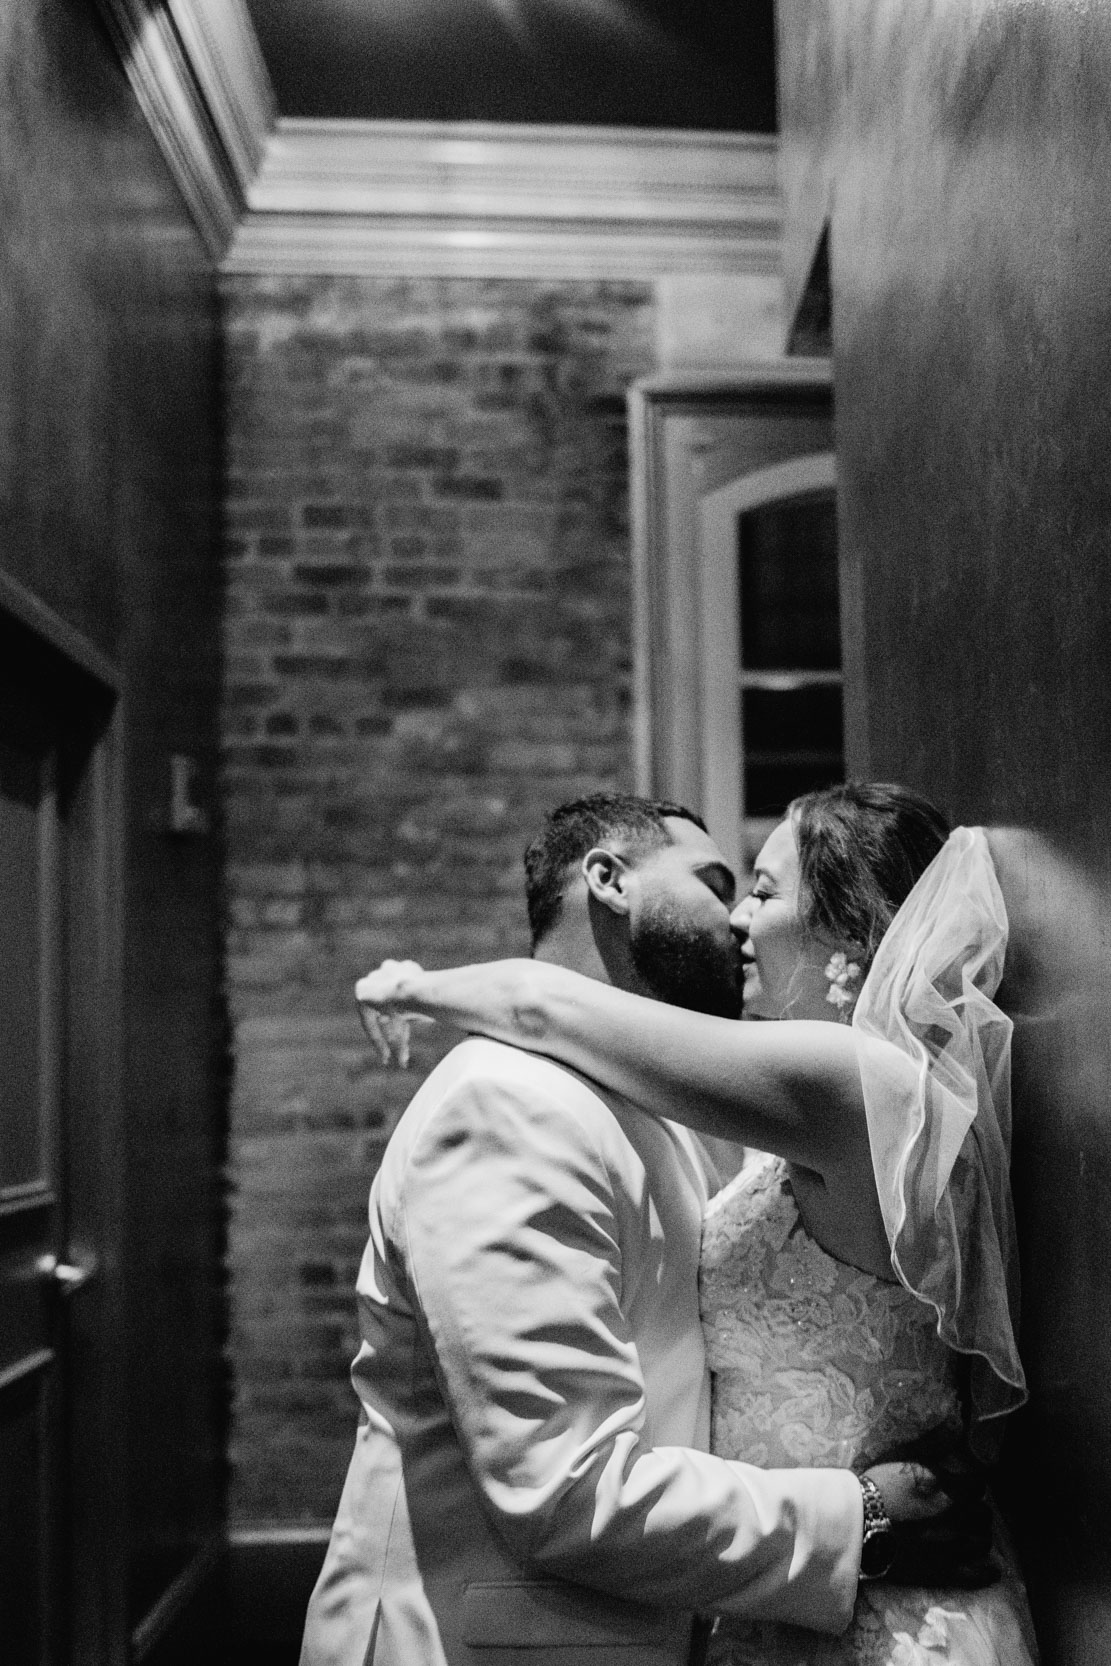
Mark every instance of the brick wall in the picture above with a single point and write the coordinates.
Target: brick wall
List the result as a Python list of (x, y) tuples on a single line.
[(428, 643)]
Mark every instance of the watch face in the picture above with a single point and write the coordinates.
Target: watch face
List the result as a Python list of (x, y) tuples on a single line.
[(877, 1553)]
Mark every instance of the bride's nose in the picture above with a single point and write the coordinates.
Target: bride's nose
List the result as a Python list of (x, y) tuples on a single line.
[(741, 917)]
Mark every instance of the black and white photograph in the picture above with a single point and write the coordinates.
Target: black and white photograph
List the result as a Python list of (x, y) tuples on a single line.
[(555, 833)]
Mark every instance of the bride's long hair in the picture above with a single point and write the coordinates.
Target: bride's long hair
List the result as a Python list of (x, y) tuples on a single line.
[(862, 846)]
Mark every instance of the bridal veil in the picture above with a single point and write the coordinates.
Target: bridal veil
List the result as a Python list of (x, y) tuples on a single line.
[(934, 1053)]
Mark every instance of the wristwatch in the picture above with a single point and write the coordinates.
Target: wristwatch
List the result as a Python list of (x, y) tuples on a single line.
[(877, 1551)]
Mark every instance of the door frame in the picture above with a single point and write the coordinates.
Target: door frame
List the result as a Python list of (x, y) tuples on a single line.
[(93, 1528), (690, 434)]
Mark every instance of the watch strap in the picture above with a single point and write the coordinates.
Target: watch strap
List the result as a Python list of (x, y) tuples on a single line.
[(877, 1526)]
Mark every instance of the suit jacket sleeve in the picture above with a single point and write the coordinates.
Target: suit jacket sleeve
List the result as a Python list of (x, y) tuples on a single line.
[(511, 1220)]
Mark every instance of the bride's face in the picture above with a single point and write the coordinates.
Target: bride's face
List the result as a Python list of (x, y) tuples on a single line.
[(784, 965)]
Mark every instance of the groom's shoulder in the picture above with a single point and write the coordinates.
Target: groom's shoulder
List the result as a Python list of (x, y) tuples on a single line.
[(478, 1064), (481, 1082)]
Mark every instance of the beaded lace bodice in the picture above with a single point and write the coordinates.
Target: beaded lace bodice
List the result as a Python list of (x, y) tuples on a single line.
[(814, 1362)]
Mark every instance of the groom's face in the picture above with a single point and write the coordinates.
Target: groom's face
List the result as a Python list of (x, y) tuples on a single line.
[(680, 937)]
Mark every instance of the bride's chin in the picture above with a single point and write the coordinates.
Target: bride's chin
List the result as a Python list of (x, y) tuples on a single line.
[(751, 1005), (755, 1004)]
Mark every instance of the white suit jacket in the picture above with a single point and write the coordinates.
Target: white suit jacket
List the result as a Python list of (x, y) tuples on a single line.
[(530, 1479)]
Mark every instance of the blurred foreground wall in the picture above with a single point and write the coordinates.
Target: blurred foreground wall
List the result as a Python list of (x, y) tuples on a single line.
[(109, 498), (961, 154)]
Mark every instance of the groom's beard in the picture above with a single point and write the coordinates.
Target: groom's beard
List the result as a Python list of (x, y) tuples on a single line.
[(684, 966)]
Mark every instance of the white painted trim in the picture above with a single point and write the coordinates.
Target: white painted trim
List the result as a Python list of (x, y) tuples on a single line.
[(665, 388), (815, 472), (685, 443), (721, 735), (474, 169), (163, 83), (475, 199), (645, 493), (391, 199), (312, 245), (223, 52)]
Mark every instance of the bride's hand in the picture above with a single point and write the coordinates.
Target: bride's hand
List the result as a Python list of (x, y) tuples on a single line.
[(383, 996)]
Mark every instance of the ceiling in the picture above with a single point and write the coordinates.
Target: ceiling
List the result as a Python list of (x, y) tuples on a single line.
[(706, 65)]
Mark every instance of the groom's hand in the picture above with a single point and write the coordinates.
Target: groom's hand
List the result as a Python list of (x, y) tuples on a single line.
[(941, 1521)]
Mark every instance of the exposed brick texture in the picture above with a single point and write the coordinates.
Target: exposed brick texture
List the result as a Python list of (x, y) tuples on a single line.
[(428, 643)]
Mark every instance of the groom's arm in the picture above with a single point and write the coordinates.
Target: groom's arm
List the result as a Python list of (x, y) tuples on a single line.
[(512, 1246)]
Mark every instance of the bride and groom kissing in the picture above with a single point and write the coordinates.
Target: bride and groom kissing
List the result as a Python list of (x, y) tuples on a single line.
[(538, 1466)]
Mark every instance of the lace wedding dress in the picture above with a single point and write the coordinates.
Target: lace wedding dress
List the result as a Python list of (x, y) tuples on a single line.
[(815, 1362)]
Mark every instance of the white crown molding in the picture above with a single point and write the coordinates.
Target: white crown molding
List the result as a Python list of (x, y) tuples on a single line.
[(470, 199), (431, 199), (357, 246), (223, 51), (197, 73), (477, 168)]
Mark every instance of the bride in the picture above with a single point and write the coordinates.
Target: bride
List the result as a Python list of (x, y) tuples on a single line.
[(858, 1282)]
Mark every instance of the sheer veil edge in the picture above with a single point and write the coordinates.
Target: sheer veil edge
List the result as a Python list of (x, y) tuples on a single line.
[(935, 1063)]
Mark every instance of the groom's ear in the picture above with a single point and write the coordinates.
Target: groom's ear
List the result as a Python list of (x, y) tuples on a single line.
[(607, 879)]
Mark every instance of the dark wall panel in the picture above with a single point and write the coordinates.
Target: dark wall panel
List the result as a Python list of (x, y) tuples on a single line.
[(109, 476), (969, 156)]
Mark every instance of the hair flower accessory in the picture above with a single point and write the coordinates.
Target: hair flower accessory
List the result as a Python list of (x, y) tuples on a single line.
[(842, 973)]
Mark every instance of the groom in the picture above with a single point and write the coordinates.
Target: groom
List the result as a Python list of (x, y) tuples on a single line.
[(530, 1479)]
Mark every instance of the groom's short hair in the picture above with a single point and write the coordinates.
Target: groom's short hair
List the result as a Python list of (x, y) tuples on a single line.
[(573, 829)]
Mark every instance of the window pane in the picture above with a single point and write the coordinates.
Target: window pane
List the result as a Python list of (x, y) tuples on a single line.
[(792, 741), (788, 585), (770, 787), (798, 720)]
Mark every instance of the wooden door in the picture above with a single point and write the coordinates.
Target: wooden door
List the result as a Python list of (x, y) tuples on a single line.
[(53, 971)]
